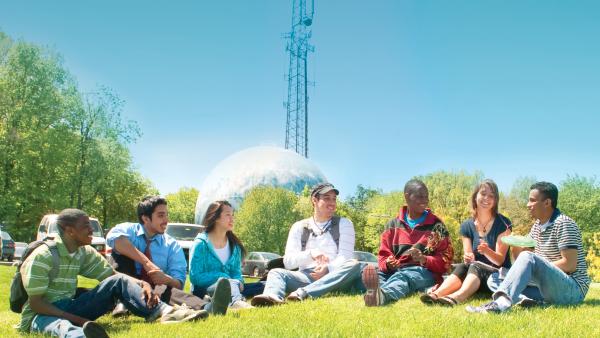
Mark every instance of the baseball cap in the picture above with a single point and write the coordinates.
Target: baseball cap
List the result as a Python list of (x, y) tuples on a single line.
[(323, 188)]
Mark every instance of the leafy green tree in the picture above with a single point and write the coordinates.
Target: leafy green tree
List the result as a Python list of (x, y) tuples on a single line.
[(380, 209), (579, 198), (449, 198), (182, 205), (356, 210), (514, 205), (265, 218)]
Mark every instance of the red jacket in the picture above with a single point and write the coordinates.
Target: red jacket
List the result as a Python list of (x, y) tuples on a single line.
[(431, 237)]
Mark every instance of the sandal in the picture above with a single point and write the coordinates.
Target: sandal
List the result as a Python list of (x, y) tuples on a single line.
[(447, 301), (429, 298)]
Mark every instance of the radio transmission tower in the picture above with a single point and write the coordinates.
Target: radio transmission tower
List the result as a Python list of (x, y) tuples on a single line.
[(298, 47)]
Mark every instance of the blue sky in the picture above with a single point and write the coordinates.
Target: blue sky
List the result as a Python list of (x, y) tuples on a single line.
[(403, 88)]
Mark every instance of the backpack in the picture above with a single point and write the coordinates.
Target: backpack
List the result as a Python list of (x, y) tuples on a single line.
[(334, 230), (18, 295)]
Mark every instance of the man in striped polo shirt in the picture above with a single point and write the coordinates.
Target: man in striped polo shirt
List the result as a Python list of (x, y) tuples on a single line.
[(555, 272), (52, 307)]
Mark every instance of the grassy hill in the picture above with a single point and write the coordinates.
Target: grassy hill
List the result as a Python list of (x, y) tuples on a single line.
[(346, 316)]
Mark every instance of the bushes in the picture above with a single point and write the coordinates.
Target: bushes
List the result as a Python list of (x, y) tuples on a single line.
[(592, 244)]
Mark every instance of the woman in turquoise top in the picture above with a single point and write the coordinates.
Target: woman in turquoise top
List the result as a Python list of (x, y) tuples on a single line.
[(217, 253)]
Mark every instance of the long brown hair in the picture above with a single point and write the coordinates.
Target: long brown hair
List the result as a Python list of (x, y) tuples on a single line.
[(494, 188), (213, 212)]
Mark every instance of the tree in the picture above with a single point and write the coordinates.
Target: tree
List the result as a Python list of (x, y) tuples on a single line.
[(265, 218), (182, 205), (514, 206), (355, 208), (380, 209), (579, 198), (449, 198)]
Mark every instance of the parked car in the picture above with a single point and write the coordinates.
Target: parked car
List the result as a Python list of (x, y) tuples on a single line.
[(8, 247), (48, 228), (19, 249), (365, 257), (256, 263), (184, 233)]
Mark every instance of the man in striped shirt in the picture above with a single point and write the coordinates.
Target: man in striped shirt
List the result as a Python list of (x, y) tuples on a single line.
[(52, 307), (555, 272)]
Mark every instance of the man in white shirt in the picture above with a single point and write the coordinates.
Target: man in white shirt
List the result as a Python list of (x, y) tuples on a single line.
[(321, 248)]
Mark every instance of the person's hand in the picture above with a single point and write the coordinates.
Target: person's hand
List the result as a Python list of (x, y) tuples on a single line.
[(319, 271), (418, 257), (392, 263), (321, 259), (148, 295), (468, 257), (241, 287), (149, 266), (158, 277), (483, 247)]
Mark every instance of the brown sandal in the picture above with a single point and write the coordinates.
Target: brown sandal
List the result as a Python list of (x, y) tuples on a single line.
[(447, 301), (429, 298)]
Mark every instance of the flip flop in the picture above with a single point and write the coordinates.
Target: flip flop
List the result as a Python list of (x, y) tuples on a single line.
[(429, 298), (447, 301)]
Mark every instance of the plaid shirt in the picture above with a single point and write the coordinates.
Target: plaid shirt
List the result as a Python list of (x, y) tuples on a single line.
[(35, 270)]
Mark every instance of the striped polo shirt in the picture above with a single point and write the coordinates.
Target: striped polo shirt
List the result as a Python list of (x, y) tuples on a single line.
[(86, 261), (561, 233)]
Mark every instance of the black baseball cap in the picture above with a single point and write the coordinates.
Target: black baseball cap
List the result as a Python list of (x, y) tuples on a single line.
[(323, 188)]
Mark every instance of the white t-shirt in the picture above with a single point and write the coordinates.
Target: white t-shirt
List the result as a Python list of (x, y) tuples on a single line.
[(323, 243), (223, 253)]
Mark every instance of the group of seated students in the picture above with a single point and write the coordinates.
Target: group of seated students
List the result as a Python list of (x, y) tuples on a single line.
[(414, 256)]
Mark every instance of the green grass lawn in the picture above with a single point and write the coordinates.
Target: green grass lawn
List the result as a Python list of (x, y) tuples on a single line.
[(347, 316)]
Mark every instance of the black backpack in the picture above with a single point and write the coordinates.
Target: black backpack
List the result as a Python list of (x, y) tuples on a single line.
[(334, 230), (18, 295)]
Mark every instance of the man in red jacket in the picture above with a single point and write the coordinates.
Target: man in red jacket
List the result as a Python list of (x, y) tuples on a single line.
[(415, 251)]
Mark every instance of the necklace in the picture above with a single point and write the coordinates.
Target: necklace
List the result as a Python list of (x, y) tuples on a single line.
[(323, 229), (484, 225)]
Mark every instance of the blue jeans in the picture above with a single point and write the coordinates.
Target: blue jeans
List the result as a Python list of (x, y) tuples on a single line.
[(552, 284), (405, 281), (235, 290), (93, 304), (282, 281)]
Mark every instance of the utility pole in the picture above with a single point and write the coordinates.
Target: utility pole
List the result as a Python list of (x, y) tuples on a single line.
[(298, 47)]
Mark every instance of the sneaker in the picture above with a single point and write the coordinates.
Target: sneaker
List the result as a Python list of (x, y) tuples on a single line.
[(182, 313), (297, 296), (528, 303), (374, 296), (120, 310), (239, 305), (265, 300), (491, 307), (94, 330), (221, 298)]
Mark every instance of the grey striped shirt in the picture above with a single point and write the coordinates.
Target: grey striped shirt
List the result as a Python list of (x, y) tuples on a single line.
[(562, 233)]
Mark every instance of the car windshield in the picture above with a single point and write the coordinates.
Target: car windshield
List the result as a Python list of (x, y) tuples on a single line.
[(53, 228), (365, 257), (183, 232), (6, 236)]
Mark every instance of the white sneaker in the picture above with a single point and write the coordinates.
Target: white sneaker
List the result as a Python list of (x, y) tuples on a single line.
[(182, 313), (240, 304)]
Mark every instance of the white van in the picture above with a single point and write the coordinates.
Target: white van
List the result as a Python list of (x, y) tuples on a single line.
[(48, 229)]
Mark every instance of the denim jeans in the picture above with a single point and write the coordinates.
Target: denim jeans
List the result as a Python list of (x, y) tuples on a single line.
[(235, 290), (93, 304), (552, 284), (405, 281), (282, 281)]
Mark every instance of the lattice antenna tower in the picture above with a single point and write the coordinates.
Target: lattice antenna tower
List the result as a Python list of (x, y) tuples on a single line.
[(298, 47)]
